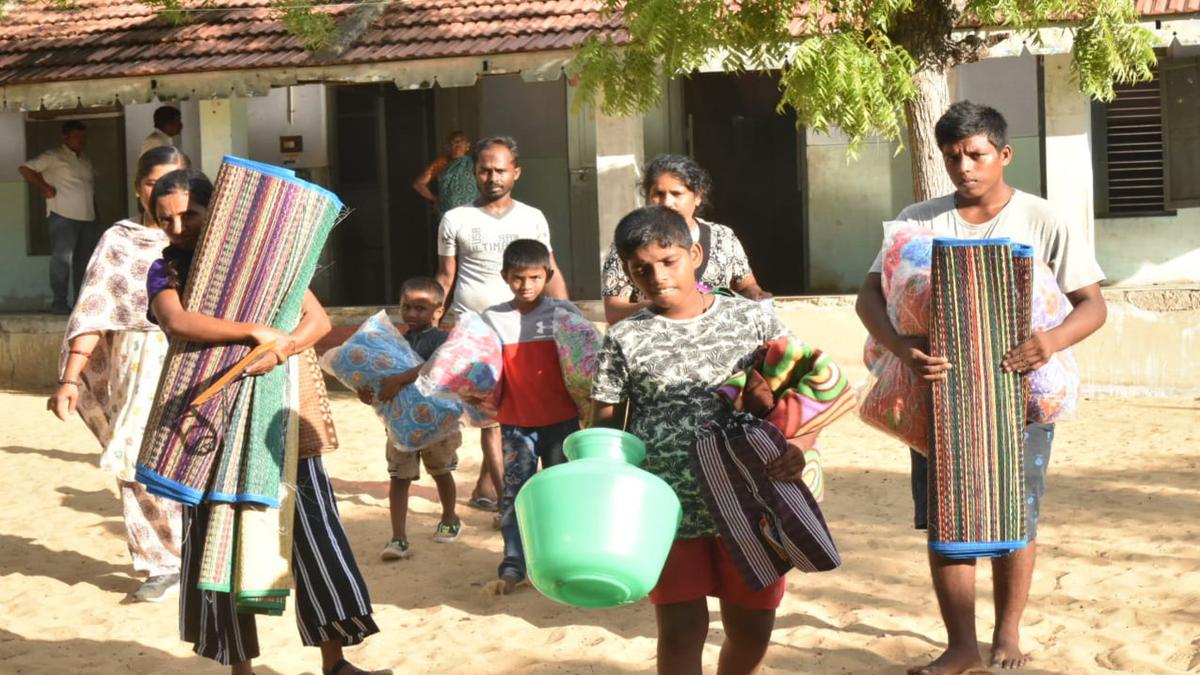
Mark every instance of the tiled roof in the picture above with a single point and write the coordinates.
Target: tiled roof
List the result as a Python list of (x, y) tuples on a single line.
[(121, 38), (127, 38), (1159, 8)]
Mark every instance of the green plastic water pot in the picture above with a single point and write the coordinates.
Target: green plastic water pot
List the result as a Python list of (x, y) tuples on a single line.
[(597, 530)]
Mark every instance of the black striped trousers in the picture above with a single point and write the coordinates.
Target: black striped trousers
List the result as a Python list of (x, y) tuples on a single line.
[(331, 598)]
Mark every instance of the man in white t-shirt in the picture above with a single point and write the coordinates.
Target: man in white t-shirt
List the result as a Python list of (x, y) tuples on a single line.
[(975, 149), (168, 123), (471, 243), (65, 178)]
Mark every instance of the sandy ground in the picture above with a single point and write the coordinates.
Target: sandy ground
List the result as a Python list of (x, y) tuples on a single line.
[(1117, 588)]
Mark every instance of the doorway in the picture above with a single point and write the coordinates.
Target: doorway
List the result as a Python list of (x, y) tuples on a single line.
[(105, 149), (755, 156), (383, 137)]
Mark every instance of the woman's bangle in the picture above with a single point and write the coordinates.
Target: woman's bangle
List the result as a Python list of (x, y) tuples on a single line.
[(86, 355), (77, 383)]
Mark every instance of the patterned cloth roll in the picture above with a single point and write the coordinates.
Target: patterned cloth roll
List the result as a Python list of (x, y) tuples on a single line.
[(980, 311)]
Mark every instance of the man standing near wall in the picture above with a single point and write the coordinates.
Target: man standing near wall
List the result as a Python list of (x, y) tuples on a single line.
[(471, 243), (64, 176), (168, 123)]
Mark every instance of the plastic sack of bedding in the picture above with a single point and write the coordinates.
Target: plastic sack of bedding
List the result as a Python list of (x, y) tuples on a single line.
[(375, 351), (897, 402), (578, 344), (897, 234), (466, 368), (906, 276), (1053, 388)]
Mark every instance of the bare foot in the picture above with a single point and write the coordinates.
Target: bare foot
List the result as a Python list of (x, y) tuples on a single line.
[(1008, 656), (951, 661)]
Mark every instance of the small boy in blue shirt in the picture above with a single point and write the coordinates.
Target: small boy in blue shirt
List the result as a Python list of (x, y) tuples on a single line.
[(421, 300)]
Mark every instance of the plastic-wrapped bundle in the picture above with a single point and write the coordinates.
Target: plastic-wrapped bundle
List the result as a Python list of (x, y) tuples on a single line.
[(375, 351), (897, 402), (896, 237), (466, 368), (1053, 388), (578, 343), (906, 278)]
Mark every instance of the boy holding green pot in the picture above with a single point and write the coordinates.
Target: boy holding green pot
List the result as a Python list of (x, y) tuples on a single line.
[(668, 360)]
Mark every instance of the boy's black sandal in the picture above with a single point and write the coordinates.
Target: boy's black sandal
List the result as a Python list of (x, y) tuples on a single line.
[(337, 667), (342, 663)]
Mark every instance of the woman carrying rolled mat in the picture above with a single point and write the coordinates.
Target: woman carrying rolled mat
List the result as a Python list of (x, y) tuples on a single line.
[(682, 185), (108, 372), (333, 608)]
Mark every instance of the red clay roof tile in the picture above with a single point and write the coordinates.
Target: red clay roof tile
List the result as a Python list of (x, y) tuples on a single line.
[(115, 38)]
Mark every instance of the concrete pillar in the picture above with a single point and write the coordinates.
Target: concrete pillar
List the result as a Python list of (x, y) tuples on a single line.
[(1068, 146), (605, 155), (223, 131), (619, 157)]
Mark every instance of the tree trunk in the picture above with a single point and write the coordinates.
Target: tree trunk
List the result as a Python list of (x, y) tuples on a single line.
[(929, 177)]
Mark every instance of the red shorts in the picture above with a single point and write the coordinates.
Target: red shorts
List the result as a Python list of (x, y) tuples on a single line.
[(701, 567)]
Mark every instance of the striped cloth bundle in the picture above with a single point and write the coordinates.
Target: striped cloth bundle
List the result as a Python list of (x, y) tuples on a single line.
[(253, 263), (980, 311), (767, 526)]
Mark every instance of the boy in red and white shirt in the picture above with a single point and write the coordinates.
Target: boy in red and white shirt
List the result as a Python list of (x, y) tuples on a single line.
[(535, 411)]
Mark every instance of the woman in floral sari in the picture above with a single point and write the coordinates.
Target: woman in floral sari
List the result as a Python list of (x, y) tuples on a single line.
[(109, 367)]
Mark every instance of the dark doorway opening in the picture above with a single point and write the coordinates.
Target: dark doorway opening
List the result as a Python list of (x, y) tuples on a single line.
[(105, 149), (755, 156), (383, 137)]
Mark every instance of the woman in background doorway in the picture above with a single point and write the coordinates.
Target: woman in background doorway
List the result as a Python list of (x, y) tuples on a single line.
[(455, 176)]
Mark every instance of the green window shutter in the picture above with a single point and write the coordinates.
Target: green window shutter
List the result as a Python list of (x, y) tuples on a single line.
[(1133, 158), (1181, 114)]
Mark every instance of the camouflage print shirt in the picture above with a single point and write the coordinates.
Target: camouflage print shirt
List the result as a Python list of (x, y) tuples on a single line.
[(669, 371)]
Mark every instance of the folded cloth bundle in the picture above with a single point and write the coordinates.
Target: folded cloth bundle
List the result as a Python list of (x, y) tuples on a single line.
[(794, 387), (976, 473), (578, 344), (253, 262), (375, 351), (767, 526), (466, 368)]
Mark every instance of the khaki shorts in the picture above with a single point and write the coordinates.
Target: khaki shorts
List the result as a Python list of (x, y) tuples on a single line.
[(439, 458)]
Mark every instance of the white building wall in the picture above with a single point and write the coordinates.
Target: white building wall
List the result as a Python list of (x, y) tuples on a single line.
[(24, 279), (849, 199)]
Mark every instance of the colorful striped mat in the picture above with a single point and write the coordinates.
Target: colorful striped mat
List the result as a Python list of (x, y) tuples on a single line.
[(255, 258), (980, 311)]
